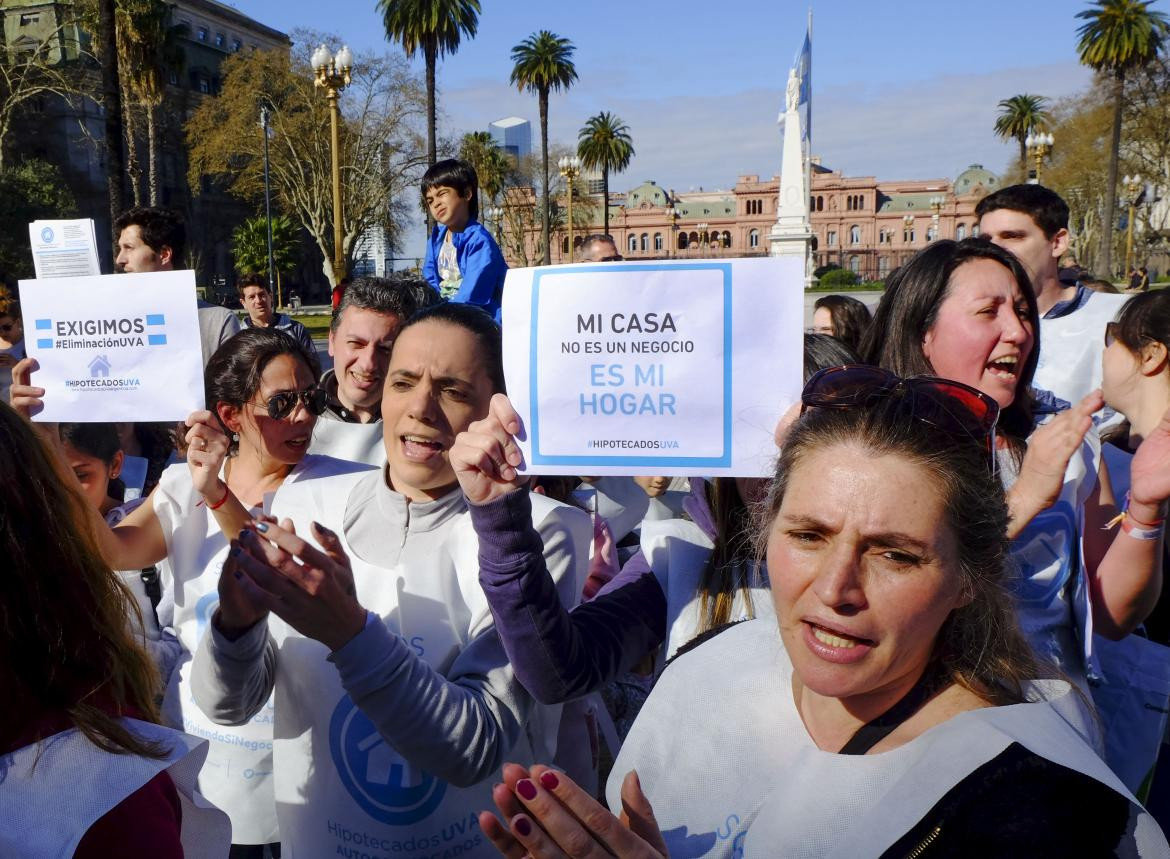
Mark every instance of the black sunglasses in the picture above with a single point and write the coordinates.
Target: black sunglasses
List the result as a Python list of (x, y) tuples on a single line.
[(615, 258), (281, 405), (949, 405)]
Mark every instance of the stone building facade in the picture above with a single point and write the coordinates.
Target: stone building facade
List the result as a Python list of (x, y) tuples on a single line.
[(860, 223)]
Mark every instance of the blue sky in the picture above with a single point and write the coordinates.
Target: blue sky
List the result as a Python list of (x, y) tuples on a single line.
[(901, 90)]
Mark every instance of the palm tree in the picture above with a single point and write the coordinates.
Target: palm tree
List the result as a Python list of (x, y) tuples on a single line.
[(1117, 37), (604, 143), (435, 27), (543, 62), (250, 247), (1018, 117), (491, 165)]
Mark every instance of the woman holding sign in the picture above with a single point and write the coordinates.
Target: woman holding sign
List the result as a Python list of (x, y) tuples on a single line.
[(892, 708), (262, 389), (394, 701)]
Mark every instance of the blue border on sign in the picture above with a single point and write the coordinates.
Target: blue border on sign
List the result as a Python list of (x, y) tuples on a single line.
[(722, 461)]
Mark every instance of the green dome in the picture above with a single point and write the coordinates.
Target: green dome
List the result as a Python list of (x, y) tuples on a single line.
[(647, 192), (976, 179)]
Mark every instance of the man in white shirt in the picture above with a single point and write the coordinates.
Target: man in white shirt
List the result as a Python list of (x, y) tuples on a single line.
[(1031, 221)]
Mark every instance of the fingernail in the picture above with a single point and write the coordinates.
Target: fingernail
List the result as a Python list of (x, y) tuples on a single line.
[(549, 780), (246, 535), (238, 574), (521, 825), (262, 527), (526, 789), (322, 529), (234, 550)]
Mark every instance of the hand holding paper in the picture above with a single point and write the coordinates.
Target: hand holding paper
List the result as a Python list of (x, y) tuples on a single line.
[(485, 456)]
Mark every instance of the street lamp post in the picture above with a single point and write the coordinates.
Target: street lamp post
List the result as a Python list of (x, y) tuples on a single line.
[(703, 236), (907, 231), (570, 166), (268, 200), (495, 215), (672, 216), (333, 75), (936, 204), (1039, 145), (1133, 186)]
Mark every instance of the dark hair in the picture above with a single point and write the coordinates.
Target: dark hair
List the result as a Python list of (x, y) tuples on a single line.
[(65, 642), (453, 173), (160, 228), (233, 372), (1143, 319), (476, 321), (910, 305), (979, 645), (401, 293), (1042, 205), (1099, 284), (822, 351), (252, 279), (99, 441), (850, 318)]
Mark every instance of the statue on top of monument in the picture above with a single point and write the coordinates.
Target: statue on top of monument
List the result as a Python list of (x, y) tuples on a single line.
[(793, 94)]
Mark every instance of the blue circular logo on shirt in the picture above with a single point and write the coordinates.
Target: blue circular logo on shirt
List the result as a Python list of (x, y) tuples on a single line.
[(386, 787)]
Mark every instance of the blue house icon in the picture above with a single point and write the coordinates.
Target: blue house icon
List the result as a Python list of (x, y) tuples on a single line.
[(99, 366)]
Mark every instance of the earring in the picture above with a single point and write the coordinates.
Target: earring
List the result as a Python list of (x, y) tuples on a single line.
[(235, 438)]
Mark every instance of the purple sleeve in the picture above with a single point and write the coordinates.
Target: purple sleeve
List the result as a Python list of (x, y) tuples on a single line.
[(560, 655)]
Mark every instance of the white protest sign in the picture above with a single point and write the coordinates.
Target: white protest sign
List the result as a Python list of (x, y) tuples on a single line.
[(656, 368), (119, 347), (64, 248)]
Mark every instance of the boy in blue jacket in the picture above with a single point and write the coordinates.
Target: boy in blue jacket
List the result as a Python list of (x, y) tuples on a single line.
[(463, 260)]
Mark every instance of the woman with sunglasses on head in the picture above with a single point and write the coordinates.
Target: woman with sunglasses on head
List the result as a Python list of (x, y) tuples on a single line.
[(394, 700), (892, 708), (261, 388)]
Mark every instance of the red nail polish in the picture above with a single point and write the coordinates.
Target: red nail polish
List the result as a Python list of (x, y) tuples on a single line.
[(521, 825), (526, 789), (549, 780)]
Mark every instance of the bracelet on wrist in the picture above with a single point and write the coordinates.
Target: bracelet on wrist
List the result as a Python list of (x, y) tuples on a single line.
[(220, 502), (1129, 523), (1133, 529)]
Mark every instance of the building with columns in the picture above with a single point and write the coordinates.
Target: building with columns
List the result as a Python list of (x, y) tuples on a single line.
[(860, 223)]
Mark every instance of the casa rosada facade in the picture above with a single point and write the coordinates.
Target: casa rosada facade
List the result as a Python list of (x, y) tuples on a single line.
[(858, 223)]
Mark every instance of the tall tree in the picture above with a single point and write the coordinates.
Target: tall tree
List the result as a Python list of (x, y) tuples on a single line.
[(604, 144), (541, 63), (434, 27), (1018, 117), (1118, 36), (112, 102), (381, 141)]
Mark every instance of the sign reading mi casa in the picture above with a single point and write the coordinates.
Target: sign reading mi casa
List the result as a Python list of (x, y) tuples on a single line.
[(119, 347), (664, 368), (117, 332)]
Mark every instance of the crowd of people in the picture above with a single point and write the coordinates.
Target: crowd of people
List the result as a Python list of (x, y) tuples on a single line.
[(328, 615)]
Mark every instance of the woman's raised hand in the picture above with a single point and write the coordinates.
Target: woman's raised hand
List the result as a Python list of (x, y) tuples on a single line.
[(23, 396), (1049, 450), (207, 447), (1149, 474), (550, 816), (485, 456)]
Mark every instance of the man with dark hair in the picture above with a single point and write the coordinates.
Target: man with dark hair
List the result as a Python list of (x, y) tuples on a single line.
[(1031, 221), (360, 339), (599, 247), (257, 300), (153, 239)]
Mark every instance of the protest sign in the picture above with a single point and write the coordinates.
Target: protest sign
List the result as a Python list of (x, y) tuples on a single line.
[(64, 248), (656, 368), (119, 347)]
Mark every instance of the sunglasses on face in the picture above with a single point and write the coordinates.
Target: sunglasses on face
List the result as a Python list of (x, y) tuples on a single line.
[(615, 258), (951, 406), (1110, 333), (281, 405)]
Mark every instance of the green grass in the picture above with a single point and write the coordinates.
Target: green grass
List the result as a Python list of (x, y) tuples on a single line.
[(317, 323)]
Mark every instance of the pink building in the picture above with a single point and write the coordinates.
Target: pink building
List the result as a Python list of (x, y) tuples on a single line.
[(859, 223)]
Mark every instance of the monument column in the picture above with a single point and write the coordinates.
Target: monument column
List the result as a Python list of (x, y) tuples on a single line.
[(792, 234)]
